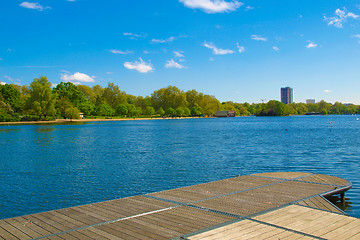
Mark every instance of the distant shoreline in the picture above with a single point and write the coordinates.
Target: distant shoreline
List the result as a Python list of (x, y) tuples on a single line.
[(59, 121)]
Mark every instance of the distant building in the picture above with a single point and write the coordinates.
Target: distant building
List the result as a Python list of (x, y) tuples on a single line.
[(310, 101), (225, 114), (287, 95)]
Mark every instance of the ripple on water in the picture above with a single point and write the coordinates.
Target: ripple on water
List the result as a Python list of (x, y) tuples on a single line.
[(50, 167)]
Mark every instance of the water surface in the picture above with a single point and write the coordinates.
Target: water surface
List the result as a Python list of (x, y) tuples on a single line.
[(46, 167)]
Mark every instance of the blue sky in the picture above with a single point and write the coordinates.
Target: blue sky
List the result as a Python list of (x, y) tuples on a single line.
[(241, 51)]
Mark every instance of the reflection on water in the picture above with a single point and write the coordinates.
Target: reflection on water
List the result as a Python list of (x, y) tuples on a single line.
[(44, 136), (7, 130), (343, 205), (52, 166)]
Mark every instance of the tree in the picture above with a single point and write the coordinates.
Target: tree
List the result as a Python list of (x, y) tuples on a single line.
[(187, 112), (88, 92), (179, 112), (324, 107), (105, 110), (70, 91), (11, 95), (72, 113), (42, 100), (7, 113), (121, 109), (62, 104), (170, 112), (75, 96), (170, 97), (161, 111), (209, 104), (113, 96), (132, 110), (196, 110), (273, 108), (149, 111)]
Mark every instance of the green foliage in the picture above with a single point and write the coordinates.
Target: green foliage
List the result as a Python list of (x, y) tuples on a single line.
[(41, 101), (170, 112), (62, 104), (170, 97), (11, 95), (196, 110), (149, 111), (76, 97), (86, 107), (161, 111), (179, 112), (112, 95), (187, 112), (274, 108), (132, 111), (72, 113), (7, 114), (122, 109), (105, 110)]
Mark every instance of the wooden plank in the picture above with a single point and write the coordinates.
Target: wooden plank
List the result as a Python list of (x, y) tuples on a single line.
[(98, 234), (221, 230), (340, 229), (355, 237), (6, 235), (79, 216), (23, 226), (42, 227), (128, 229), (15, 233), (283, 175), (141, 217)]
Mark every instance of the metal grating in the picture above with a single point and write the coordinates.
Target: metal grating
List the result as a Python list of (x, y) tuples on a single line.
[(325, 179), (213, 189)]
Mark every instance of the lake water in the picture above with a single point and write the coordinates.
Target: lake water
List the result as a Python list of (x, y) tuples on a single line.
[(46, 167)]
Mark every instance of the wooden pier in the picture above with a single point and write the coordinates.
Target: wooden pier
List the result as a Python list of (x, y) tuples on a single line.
[(284, 205)]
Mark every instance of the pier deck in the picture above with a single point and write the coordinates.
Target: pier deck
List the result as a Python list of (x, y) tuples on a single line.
[(287, 205)]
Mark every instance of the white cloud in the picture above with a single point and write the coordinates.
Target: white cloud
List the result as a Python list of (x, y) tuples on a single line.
[(135, 36), (170, 39), (77, 77), (340, 17), (218, 51), (276, 48), (2, 83), (247, 8), (9, 78), (172, 64), (241, 48), (146, 52), (141, 66), (179, 54), (109, 73), (311, 45), (258, 38), (327, 91), (212, 6), (33, 5), (357, 36), (115, 51)]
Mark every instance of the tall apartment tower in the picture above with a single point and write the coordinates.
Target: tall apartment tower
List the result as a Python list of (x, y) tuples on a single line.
[(287, 95)]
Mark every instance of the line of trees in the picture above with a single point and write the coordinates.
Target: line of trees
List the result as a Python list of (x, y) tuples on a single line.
[(39, 101)]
